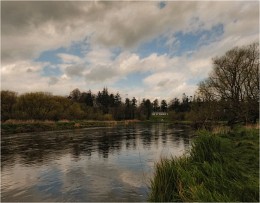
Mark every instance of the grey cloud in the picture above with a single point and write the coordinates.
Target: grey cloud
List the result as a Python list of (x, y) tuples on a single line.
[(22, 16), (101, 73), (75, 70), (29, 70), (53, 80), (26, 15), (162, 83), (28, 28), (31, 27)]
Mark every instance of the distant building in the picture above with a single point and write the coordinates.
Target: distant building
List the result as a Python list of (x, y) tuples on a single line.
[(159, 113)]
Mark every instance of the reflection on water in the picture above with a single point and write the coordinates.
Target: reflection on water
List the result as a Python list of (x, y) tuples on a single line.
[(99, 164)]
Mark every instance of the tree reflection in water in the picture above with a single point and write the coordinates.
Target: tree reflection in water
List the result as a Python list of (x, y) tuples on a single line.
[(87, 164), (37, 148)]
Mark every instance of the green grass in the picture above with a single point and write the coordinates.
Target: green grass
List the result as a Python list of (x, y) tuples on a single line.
[(220, 167)]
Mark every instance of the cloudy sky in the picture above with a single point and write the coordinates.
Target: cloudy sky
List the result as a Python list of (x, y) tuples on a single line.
[(142, 49)]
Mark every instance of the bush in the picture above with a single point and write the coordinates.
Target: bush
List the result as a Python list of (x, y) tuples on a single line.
[(176, 116), (107, 117)]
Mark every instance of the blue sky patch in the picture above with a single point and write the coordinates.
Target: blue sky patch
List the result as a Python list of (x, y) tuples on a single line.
[(51, 71), (77, 48), (186, 42), (191, 41), (156, 45), (51, 56), (162, 4)]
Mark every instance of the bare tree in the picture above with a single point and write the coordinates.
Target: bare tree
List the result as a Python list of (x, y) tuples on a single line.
[(234, 83)]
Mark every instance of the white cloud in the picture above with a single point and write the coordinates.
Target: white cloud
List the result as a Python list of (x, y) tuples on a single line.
[(99, 56), (199, 66), (128, 63), (168, 85), (161, 80), (22, 76), (26, 76), (33, 27), (22, 67), (68, 58)]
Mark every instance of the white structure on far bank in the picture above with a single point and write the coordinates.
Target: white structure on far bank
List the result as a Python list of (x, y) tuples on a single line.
[(159, 113)]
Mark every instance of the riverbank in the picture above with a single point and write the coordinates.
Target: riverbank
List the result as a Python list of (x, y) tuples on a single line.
[(20, 126), (24, 126), (14, 126), (222, 167)]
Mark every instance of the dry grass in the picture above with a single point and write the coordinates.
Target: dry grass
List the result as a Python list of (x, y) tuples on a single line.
[(252, 126), (77, 125), (14, 121), (64, 121), (221, 130)]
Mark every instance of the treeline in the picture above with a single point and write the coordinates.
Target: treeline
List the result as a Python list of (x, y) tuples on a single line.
[(86, 105), (230, 93), (78, 105)]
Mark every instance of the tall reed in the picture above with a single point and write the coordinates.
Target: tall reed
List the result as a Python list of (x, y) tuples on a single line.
[(217, 169)]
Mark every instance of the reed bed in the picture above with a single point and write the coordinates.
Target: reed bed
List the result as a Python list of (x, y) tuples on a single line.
[(219, 168)]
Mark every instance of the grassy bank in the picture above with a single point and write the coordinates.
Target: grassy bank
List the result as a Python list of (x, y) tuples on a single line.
[(12, 127), (221, 167)]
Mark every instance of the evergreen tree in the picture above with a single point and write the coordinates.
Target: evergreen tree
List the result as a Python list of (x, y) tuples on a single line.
[(163, 106), (134, 104), (155, 105)]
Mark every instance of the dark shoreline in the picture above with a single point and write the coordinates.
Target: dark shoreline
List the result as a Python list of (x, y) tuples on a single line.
[(15, 127), (43, 126)]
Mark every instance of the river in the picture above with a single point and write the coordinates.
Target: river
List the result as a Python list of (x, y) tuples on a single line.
[(96, 164)]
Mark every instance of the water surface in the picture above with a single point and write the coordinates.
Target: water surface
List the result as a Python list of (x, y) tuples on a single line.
[(98, 164)]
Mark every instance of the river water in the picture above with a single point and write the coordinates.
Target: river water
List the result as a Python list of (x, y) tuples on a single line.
[(97, 164)]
